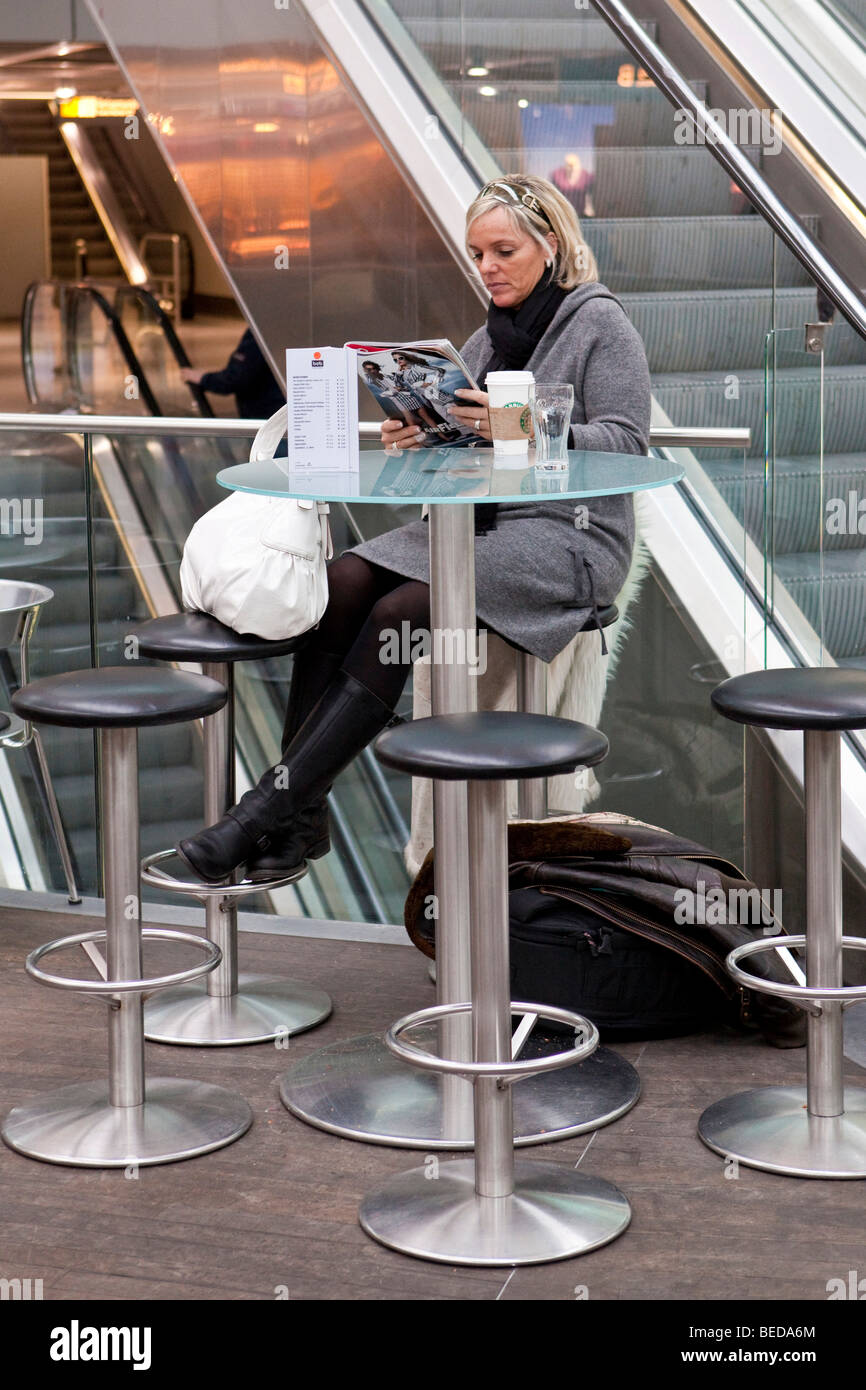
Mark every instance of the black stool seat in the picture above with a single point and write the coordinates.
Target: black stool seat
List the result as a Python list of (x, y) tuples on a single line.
[(119, 697), (490, 745), (796, 698), (199, 637), (606, 616)]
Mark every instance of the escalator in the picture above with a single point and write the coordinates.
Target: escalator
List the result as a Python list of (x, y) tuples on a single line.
[(377, 123), (30, 128), (112, 559)]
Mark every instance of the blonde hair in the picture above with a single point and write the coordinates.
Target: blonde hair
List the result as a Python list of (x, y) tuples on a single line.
[(575, 262)]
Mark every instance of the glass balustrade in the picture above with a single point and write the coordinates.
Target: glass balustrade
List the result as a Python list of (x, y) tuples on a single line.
[(113, 566), (45, 539)]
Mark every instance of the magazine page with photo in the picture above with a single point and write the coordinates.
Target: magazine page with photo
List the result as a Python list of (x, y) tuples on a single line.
[(415, 383)]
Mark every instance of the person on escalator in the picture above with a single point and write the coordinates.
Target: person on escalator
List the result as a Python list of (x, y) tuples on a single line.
[(542, 569), (247, 377)]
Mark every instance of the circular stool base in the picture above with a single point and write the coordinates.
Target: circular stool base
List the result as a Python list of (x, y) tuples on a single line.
[(360, 1090), (553, 1214), (770, 1128), (76, 1125), (262, 1009)]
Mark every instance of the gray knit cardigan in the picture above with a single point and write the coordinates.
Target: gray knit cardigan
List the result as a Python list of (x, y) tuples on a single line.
[(537, 573)]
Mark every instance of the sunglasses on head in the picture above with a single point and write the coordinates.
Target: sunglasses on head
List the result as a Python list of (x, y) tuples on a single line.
[(528, 199)]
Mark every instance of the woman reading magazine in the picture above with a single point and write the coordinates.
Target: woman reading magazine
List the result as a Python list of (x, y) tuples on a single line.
[(538, 578)]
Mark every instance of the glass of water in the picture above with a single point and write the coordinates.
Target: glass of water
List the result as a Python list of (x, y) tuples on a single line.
[(551, 404)]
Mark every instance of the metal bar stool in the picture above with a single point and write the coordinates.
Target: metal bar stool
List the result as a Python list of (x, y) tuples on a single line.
[(225, 1008), (357, 1089), (20, 605), (491, 1211), (91, 1124), (818, 1131)]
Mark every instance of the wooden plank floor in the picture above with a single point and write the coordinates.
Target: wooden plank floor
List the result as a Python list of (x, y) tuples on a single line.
[(278, 1209)]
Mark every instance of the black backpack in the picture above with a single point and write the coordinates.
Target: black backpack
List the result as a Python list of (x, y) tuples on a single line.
[(594, 908)]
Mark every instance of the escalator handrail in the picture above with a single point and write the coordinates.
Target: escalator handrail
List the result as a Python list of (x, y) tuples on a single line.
[(30, 296), (82, 290), (829, 278), (178, 350)]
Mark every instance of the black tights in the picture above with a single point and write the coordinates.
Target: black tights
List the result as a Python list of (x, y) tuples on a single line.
[(369, 621)]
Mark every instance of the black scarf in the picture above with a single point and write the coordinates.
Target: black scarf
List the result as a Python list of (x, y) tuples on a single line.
[(515, 334)]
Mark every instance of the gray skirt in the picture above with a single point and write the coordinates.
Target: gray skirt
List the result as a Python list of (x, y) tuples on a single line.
[(538, 575)]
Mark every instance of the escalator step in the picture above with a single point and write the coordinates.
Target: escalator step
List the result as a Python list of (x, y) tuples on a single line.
[(795, 501), (690, 253), (179, 787), (70, 751), (831, 591), (630, 116), (521, 39), (153, 837), (725, 330), (701, 399), (66, 646)]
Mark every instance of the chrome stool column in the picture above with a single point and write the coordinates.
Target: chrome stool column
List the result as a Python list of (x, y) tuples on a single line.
[(226, 1008), (816, 1131), (128, 1120), (491, 1211), (609, 1085)]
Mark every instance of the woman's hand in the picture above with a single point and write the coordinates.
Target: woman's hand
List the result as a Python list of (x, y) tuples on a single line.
[(396, 436), (472, 416), (191, 375)]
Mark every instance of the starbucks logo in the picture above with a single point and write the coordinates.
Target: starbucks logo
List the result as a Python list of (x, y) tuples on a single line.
[(526, 420)]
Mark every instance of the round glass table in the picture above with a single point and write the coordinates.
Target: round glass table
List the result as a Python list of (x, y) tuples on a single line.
[(357, 1088)]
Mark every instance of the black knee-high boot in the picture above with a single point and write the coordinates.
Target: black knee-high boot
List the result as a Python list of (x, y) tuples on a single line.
[(309, 836), (344, 720)]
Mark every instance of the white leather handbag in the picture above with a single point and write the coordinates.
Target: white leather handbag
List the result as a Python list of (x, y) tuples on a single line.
[(258, 564)]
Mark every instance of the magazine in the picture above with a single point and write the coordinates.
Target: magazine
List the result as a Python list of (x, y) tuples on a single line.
[(416, 384), (412, 382)]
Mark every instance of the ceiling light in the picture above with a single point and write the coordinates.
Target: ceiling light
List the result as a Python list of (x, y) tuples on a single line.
[(488, 91), (265, 127), (523, 103), (478, 71), (65, 93)]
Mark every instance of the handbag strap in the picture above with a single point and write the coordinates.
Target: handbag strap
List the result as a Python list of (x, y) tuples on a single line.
[(271, 434)]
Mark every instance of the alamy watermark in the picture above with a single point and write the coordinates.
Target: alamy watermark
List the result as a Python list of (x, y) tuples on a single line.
[(705, 907), (851, 1288), (77, 1343), (744, 125), (20, 1290), (845, 516), (447, 646), (22, 516)]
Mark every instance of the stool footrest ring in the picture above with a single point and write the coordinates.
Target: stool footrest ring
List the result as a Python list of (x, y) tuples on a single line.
[(155, 877), (109, 987), (506, 1072), (844, 994)]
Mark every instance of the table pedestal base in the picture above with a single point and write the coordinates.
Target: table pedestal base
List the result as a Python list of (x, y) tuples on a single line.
[(771, 1128), (553, 1214), (360, 1090)]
